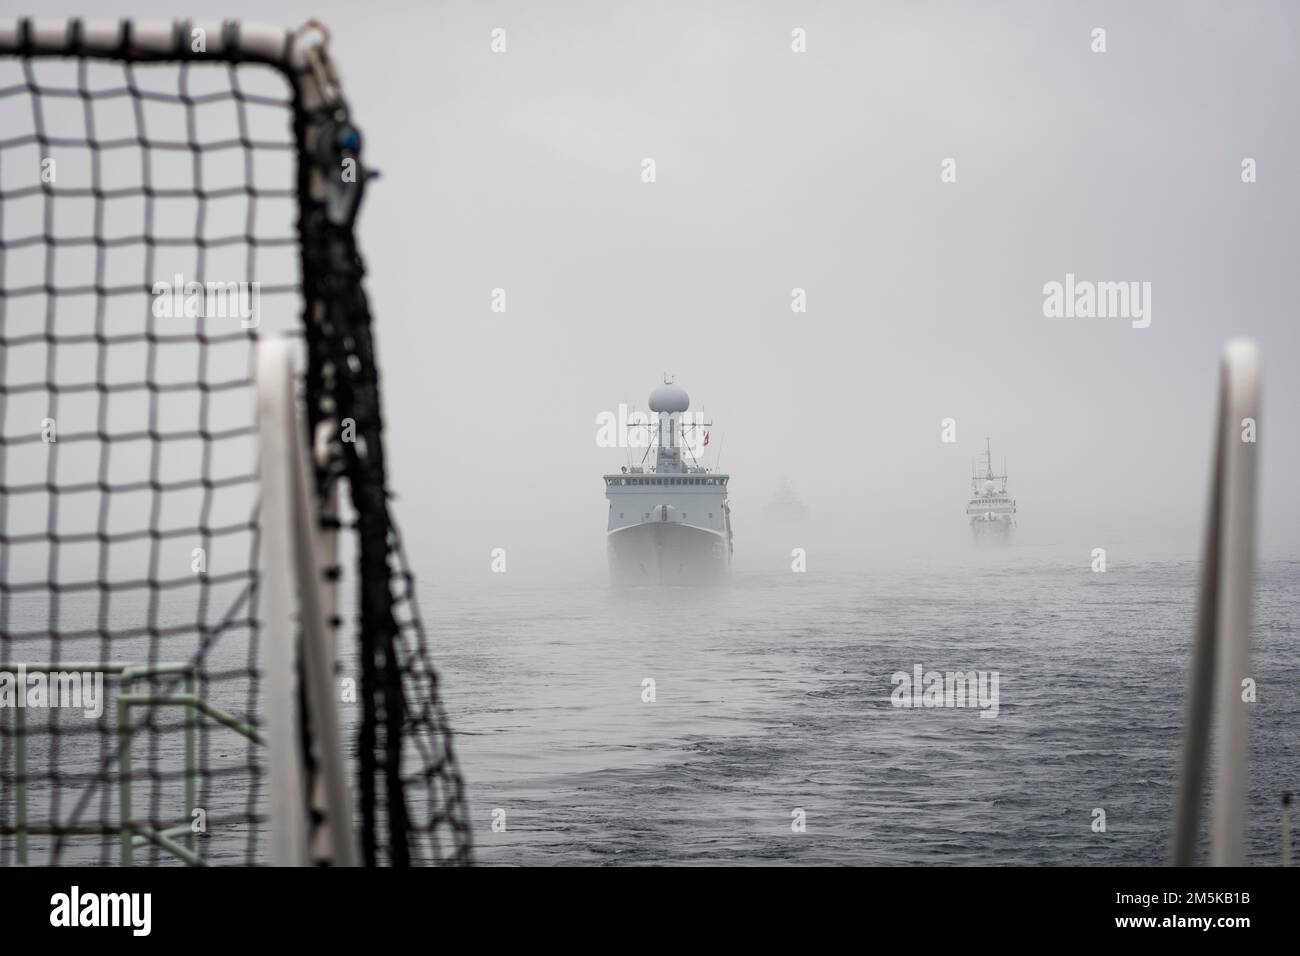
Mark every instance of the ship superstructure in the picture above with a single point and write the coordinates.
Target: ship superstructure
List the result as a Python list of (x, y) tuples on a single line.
[(669, 523), (991, 509), (786, 507)]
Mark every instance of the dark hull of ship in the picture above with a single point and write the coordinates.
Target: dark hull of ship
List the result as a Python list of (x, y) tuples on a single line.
[(667, 553)]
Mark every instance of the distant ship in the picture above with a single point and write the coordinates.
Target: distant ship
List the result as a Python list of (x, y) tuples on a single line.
[(786, 506), (671, 524), (991, 510)]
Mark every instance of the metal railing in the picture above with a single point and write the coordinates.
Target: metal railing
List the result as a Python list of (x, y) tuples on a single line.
[(1221, 648), (178, 839)]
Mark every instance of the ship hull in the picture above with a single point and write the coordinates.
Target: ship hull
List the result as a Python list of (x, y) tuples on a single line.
[(667, 553), (991, 530)]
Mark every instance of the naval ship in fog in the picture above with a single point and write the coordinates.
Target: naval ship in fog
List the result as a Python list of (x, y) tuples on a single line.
[(670, 524), (992, 511)]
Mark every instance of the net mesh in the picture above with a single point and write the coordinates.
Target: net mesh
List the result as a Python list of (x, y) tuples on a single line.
[(156, 218)]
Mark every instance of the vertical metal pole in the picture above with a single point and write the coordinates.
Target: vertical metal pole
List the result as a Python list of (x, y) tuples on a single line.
[(1221, 648), (126, 837), (1236, 597), (1198, 708), (276, 591), (20, 782), (1286, 829), (291, 566), (191, 763), (315, 594), (322, 847)]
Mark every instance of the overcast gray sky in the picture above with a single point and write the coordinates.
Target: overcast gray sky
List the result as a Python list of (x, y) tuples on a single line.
[(522, 170)]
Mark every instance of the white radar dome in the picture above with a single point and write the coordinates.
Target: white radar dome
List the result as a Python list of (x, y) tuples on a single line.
[(669, 398)]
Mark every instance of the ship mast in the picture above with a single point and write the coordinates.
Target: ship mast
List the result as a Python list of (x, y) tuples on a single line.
[(668, 401), (989, 474)]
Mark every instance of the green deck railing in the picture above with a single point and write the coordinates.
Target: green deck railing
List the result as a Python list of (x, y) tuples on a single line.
[(177, 839)]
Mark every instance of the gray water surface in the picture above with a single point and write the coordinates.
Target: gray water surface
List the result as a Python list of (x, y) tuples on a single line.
[(773, 694)]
